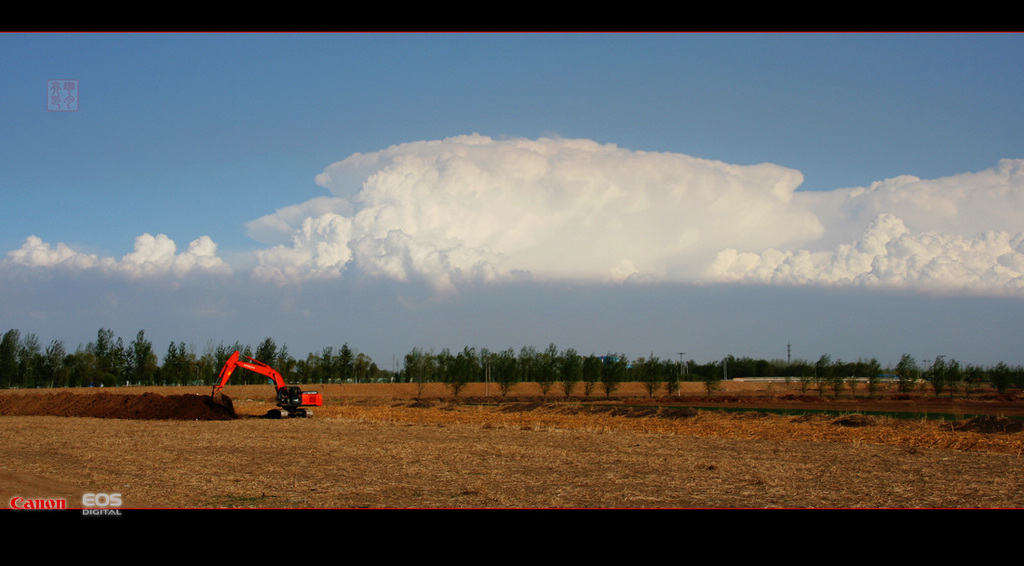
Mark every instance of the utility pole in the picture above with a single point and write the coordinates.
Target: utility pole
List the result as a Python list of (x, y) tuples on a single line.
[(789, 360)]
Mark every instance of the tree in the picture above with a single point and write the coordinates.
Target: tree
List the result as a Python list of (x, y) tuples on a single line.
[(804, 372), (571, 370), (82, 367), (9, 356), (443, 362), (874, 371), (823, 372), (120, 360), (613, 373), (362, 368), (109, 355), (325, 366), (650, 374), (221, 353), (306, 369), (419, 369), (465, 367), (170, 371), (179, 366), (974, 375), (673, 375), (266, 352), (346, 363), (547, 371), (955, 375), (836, 377), (592, 368), (1017, 376), (852, 382), (30, 361), (54, 370), (907, 372), (284, 363), (528, 364), (712, 379), (142, 362), (209, 368), (1000, 377), (506, 371), (939, 375), (746, 367)]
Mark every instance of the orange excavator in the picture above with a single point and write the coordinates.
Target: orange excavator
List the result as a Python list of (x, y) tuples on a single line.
[(290, 398)]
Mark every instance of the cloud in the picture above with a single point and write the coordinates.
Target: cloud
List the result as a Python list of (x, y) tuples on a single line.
[(36, 253), (960, 233), (473, 208), (476, 208), (446, 213), (890, 254), (277, 228), (152, 256), (966, 204)]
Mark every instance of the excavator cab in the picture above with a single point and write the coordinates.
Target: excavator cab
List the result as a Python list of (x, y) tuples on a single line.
[(291, 400)]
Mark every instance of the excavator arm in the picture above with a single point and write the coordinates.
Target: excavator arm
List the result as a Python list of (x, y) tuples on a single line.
[(235, 361), (290, 398)]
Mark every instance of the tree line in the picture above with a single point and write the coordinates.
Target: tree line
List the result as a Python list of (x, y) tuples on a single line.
[(109, 361)]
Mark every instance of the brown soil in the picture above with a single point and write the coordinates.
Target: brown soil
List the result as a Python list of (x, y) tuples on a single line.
[(145, 406), (393, 446)]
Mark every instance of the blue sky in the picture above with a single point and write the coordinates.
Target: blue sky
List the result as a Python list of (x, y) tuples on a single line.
[(767, 144)]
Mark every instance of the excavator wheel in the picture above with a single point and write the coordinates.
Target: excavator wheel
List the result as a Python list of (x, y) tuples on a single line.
[(276, 414)]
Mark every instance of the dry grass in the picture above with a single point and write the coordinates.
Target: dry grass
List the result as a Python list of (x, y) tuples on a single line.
[(390, 451), (854, 429)]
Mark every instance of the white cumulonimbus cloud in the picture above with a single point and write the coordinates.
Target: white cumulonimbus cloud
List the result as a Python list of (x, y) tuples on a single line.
[(959, 233), (890, 254), (152, 256), (476, 208)]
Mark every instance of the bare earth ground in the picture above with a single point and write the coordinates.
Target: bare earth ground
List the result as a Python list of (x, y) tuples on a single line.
[(378, 446)]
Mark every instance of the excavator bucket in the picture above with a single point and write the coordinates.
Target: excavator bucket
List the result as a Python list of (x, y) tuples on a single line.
[(221, 404)]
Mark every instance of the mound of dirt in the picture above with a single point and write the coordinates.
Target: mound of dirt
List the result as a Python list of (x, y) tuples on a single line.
[(147, 406), (651, 411), (854, 421), (990, 424)]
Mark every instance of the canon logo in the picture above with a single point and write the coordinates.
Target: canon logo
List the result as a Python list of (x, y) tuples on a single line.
[(23, 503)]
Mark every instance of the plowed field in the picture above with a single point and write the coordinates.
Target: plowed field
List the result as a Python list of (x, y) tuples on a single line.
[(393, 446)]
